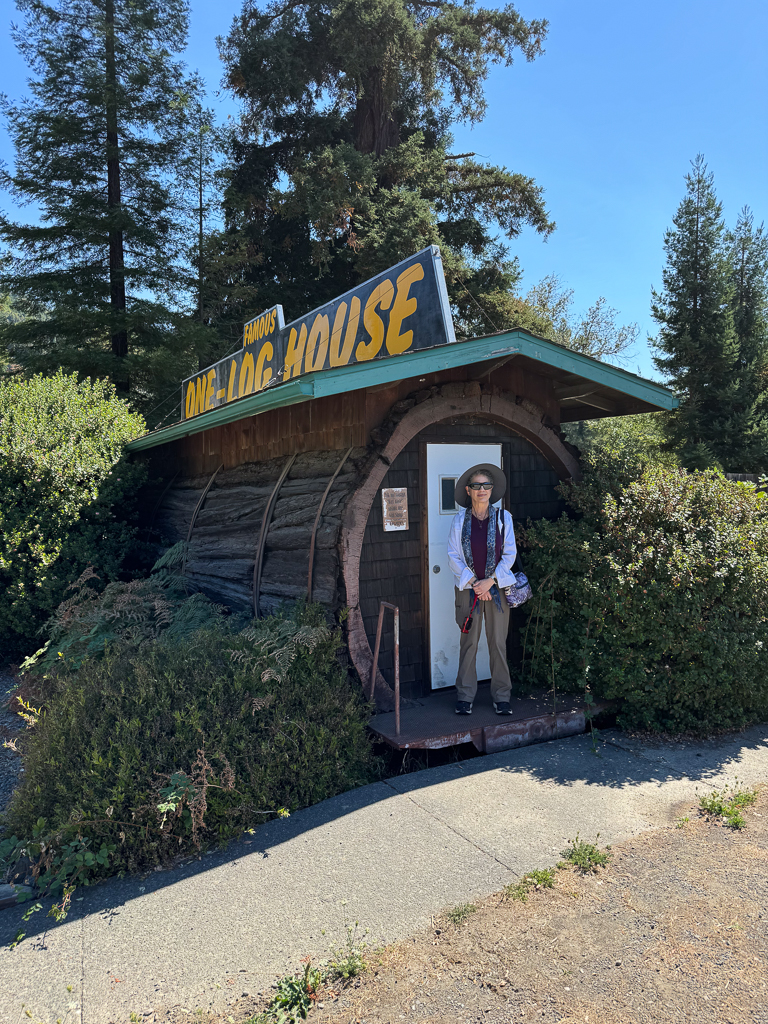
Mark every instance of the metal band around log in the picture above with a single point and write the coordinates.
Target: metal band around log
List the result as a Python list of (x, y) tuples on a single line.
[(199, 505), (326, 492), (263, 535)]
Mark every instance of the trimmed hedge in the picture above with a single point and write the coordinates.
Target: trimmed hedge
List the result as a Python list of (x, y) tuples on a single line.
[(655, 594)]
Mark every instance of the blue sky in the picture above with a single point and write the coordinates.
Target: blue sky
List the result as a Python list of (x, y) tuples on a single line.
[(606, 121)]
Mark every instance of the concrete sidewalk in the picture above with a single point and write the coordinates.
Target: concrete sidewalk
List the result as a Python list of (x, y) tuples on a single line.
[(389, 855)]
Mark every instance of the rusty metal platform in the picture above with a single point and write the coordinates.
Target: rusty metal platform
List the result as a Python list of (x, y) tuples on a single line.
[(430, 723)]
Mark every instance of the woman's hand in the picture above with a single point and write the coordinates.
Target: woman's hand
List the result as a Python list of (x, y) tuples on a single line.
[(482, 589)]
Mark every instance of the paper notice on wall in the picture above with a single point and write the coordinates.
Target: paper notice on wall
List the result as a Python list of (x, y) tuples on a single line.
[(394, 507)]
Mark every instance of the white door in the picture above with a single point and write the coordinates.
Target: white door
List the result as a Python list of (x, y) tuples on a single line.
[(445, 464)]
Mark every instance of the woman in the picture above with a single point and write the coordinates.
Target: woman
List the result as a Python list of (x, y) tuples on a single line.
[(482, 551)]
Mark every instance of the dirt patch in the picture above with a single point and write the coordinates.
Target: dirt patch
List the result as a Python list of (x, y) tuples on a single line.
[(674, 930)]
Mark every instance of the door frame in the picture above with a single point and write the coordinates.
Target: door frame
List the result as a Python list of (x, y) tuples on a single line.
[(506, 462)]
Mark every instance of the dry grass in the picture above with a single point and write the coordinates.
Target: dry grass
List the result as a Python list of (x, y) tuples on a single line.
[(673, 931)]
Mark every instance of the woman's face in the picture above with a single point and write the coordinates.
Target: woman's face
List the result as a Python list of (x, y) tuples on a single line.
[(480, 496)]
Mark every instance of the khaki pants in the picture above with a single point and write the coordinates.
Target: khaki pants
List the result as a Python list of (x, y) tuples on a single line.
[(496, 628)]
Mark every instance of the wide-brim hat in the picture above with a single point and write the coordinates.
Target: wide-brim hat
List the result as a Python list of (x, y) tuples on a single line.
[(499, 483)]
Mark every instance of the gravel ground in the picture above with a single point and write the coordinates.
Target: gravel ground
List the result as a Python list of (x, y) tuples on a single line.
[(10, 723)]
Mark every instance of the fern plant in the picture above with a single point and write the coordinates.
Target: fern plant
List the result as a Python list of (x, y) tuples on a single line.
[(128, 615), (276, 644)]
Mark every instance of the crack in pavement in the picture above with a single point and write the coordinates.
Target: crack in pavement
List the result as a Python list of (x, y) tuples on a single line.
[(455, 831)]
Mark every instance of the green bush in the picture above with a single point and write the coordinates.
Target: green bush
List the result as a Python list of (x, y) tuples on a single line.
[(655, 594), (180, 743), (66, 495), (641, 437)]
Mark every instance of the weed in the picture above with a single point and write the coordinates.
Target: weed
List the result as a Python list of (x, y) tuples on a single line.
[(530, 882), (458, 915), (294, 997), (682, 822), (349, 959), (585, 856), (728, 804), (134, 1017)]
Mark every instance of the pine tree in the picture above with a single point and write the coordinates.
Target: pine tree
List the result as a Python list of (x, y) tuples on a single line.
[(342, 163), (697, 340), (749, 281), (101, 277)]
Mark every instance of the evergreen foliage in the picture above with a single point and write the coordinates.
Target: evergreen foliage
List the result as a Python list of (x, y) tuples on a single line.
[(343, 163), (182, 743), (722, 419), (67, 496), (102, 277), (749, 281), (655, 595), (126, 613)]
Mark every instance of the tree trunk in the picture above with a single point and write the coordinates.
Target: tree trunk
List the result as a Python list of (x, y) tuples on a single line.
[(116, 254), (375, 127)]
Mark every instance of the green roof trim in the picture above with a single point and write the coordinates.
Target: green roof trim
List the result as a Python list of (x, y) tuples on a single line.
[(414, 364)]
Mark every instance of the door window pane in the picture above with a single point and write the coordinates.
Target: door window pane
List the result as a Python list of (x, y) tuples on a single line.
[(447, 490)]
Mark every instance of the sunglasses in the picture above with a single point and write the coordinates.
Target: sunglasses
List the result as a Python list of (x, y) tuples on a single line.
[(480, 487)]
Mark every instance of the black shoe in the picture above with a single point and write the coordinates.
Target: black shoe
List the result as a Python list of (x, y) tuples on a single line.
[(463, 707), (502, 708)]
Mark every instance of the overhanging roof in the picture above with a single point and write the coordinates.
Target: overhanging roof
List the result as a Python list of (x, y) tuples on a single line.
[(583, 386)]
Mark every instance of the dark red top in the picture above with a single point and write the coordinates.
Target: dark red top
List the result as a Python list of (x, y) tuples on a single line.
[(478, 540)]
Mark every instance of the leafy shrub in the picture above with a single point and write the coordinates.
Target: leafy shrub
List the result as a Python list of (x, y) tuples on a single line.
[(656, 595), (66, 495), (640, 437), (182, 743)]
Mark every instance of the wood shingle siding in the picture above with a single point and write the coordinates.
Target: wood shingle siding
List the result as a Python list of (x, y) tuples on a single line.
[(391, 564)]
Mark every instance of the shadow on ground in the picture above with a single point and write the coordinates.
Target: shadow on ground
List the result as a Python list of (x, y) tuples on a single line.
[(620, 762)]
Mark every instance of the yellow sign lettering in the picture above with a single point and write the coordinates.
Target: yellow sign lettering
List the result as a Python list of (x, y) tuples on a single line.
[(210, 389), (189, 404), (319, 332), (246, 375), (341, 358), (262, 375), (402, 308), (295, 352), (382, 296), (200, 395), (232, 378)]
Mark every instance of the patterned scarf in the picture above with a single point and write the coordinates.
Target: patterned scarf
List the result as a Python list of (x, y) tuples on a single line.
[(490, 558)]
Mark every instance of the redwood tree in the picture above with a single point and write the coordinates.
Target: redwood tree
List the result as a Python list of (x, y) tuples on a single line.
[(343, 160)]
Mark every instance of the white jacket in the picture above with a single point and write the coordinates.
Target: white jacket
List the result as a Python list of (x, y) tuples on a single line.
[(462, 574)]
